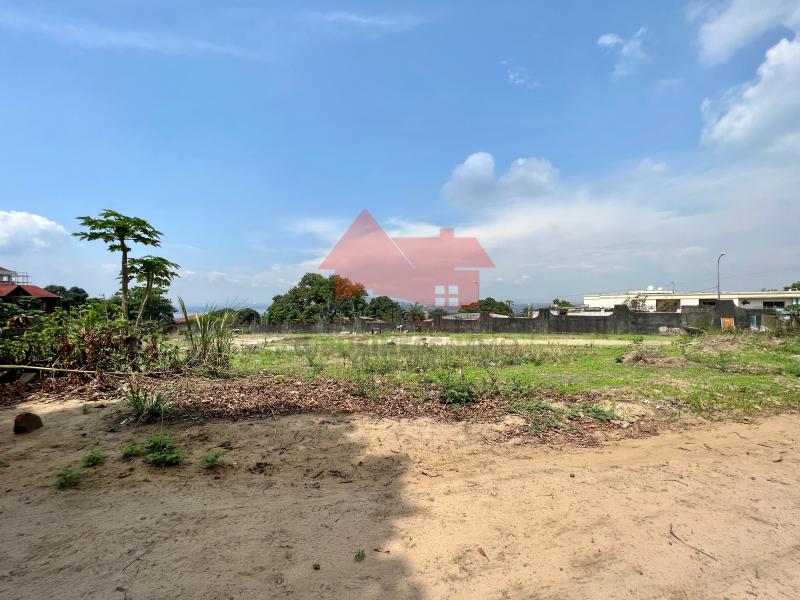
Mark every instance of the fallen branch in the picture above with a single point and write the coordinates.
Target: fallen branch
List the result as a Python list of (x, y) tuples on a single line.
[(58, 370), (703, 552)]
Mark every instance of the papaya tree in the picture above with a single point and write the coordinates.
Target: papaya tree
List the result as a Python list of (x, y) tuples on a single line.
[(118, 231), (151, 271)]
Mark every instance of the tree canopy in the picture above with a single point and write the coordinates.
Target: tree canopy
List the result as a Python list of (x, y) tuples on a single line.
[(792, 286), (317, 297), (488, 305), (118, 231), (70, 298), (384, 308)]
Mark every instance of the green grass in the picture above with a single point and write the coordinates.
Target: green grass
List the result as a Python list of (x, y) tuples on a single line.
[(68, 477), (211, 460), (161, 451), (94, 458), (131, 450), (744, 371)]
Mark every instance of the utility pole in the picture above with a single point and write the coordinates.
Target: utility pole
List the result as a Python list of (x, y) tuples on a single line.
[(718, 291)]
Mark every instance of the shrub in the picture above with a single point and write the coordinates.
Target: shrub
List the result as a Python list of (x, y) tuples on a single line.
[(95, 457), (456, 390), (68, 477), (211, 460), (131, 450), (360, 555), (147, 406), (161, 451)]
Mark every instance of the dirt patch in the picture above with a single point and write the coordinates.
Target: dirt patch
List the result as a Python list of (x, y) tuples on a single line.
[(439, 509), (652, 358)]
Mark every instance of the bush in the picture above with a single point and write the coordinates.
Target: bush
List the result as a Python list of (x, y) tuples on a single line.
[(456, 389), (68, 477), (95, 457), (146, 405), (131, 450), (211, 460), (161, 451)]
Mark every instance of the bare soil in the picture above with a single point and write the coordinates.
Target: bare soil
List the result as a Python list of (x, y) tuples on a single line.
[(440, 509)]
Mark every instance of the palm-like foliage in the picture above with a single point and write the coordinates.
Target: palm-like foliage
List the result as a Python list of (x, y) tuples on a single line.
[(211, 344), (152, 271), (117, 231)]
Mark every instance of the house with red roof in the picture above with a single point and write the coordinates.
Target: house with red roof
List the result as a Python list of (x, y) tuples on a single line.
[(12, 291), (439, 271)]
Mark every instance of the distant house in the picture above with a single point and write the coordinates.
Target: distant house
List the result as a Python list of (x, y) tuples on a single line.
[(11, 292), (669, 301), (181, 324), (15, 285), (439, 271)]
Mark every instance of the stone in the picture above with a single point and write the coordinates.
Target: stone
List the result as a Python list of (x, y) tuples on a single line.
[(27, 422)]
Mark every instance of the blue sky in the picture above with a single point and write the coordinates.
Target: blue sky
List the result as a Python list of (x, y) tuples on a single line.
[(591, 146)]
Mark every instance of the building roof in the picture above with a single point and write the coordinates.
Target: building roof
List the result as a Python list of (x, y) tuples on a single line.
[(666, 294), (4, 270), (31, 290)]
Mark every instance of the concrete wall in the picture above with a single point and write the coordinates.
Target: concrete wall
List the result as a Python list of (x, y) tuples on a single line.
[(621, 321)]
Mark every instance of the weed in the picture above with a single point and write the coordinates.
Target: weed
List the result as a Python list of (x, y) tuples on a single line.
[(147, 406), (211, 459), (95, 457), (360, 555), (161, 451), (541, 416), (456, 390), (593, 411), (68, 477), (131, 450)]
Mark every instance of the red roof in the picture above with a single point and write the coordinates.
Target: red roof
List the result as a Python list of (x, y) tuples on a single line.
[(31, 290)]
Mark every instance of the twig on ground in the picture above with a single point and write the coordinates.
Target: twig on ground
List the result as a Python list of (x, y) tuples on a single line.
[(688, 545)]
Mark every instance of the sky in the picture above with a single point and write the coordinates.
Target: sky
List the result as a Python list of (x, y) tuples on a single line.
[(590, 146)]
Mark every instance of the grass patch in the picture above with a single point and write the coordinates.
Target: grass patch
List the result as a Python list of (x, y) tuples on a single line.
[(211, 460), (131, 450), (161, 451), (94, 458), (68, 477), (146, 405)]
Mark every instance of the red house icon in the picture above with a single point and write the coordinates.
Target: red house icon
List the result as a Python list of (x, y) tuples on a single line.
[(433, 271)]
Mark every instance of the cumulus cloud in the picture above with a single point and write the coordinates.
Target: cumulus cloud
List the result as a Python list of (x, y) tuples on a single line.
[(727, 27), (474, 183), (21, 231), (765, 111), (630, 52)]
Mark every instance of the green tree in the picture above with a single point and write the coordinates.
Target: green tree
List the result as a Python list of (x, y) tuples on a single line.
[(792, 286), (158, 309), (247, 316), (152, 271), (70, 298), (416, 313), (317, 297), (118, 231), (562, 303), (488, 305), (384, 308)]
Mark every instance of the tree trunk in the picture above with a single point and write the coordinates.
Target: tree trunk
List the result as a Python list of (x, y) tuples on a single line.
[(124, 278), (148, 288)]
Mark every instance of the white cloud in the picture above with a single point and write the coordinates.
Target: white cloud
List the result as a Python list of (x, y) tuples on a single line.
[(344, 20), (519, 76), (328, 229), (22, 231), (630, 53), (764, 112), (88, 35), (648, 165), (727, 27), (473, 182)]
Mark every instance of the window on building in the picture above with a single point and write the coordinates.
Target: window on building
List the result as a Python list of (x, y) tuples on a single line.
[(438, 289), (774, 304), (452, 290), (439, 301)]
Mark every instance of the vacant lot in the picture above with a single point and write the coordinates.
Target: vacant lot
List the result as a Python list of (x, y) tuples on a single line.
[(482, 470), (439, 509)]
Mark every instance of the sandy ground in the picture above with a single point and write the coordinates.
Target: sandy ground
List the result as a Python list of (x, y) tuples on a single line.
[(454, 514)]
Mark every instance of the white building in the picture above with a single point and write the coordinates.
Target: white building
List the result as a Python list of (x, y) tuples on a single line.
[(668, 301)]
